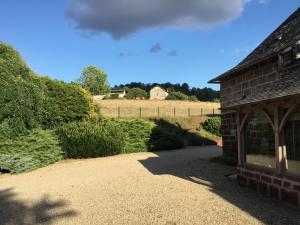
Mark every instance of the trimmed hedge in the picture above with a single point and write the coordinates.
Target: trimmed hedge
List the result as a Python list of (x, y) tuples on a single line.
[(213, 125), (89, 139), (137, 134), (63, 103)]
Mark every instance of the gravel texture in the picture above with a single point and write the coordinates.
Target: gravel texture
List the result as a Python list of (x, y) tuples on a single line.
[(170, 188)]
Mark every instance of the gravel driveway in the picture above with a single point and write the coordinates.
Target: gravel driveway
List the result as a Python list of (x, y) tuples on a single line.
[(173, 187)]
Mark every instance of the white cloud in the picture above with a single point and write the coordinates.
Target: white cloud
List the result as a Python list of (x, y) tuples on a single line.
[(121, 18)]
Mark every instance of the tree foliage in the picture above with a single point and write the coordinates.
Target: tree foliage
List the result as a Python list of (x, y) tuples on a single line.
[(202, 94), (135, 93), (94, 80), (177, 95)]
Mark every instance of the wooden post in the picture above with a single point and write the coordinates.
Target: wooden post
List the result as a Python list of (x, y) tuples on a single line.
[(278, 143), (119, 112), (213, 111), (158, 111), (189, 112), (201, 111), (239, 139), (140, 112), (174, 112)]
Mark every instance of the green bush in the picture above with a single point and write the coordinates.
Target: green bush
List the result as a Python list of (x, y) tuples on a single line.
[(21, 95), (166, 136), (177, 95), (90, 139), (114, 96), (136, 93), (63, 103), (213, 125), (137, 134), (193, 98), (38, 148)]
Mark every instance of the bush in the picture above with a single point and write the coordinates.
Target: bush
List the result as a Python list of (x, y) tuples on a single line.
[(166, 136), (64, 103), (114, 96), (90, 139), (136, 93), (137, 134), (193, 98), (213, 125), (21, 95), (177, 96), (36, 149)]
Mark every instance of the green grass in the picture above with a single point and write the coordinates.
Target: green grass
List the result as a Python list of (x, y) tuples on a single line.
[(38, 148)]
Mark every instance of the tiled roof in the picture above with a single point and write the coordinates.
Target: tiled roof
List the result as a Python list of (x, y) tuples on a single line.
[(287, 34)]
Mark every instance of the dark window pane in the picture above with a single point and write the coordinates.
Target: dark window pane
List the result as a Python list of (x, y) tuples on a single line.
[(260, 141)]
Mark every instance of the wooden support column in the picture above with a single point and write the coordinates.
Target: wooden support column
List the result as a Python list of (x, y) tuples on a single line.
[(239, 139), (278, 142)]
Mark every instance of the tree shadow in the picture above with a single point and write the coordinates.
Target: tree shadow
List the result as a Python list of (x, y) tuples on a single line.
[(45, 211), (214, 177)]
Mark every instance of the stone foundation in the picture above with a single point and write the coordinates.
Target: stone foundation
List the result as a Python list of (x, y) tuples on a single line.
[(229, 134), (270, 185)]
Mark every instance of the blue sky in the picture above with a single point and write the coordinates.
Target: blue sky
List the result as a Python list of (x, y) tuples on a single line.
[(55, 41)]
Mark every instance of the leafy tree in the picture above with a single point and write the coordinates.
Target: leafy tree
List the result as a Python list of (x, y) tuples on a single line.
[(94, 80), (135, 93)]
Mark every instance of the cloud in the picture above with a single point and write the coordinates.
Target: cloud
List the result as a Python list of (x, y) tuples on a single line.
[(155, 48), (173, 53), (121, 18)]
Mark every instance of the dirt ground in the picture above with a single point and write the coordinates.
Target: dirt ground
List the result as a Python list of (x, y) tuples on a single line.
[(170, 188)]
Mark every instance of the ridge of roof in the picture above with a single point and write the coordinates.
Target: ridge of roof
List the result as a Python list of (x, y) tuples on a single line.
[(284, 35)]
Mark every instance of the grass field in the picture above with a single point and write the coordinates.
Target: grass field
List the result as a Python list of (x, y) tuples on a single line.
[(124, 108)]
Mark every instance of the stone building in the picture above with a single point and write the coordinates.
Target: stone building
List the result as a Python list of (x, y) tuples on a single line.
[(158, 93), (260, 103)]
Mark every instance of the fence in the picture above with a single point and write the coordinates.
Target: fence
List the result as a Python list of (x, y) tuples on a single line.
[(143, 112)]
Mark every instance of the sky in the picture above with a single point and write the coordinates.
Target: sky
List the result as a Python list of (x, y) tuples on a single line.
[(150, 41)]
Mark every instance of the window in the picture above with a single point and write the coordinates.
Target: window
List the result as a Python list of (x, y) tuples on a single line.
[(260, 141), (292, 142)]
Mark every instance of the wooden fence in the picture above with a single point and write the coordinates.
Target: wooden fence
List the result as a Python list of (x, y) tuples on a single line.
[(142, 112)]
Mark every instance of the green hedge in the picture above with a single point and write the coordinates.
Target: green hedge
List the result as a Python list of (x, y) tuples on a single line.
[(137, 134), (63, 103), (177, 95), (37, 148), (213, 125), (89, 139)]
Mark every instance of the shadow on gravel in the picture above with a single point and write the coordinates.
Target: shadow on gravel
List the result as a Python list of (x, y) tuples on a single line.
[(13, 211), (212, 176)]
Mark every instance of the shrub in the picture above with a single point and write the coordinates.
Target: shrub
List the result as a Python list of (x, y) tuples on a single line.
[(213, 125), (166, 136), (114, 96), (193, 98), (137, 134), (90, 139), (135, 93), (177, 95), (21, 95), (36, 149), (64, 103)]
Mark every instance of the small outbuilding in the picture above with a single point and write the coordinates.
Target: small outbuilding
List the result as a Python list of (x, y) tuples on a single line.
[(158, 93), (260, 103)]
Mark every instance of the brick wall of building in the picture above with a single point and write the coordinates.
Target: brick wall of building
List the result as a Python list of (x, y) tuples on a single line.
[(270, 185), (229, 133)]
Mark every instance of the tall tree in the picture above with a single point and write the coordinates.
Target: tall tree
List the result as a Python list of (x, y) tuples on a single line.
[(94, 80)]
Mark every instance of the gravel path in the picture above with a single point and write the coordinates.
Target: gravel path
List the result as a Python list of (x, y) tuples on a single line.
[(170, 188)]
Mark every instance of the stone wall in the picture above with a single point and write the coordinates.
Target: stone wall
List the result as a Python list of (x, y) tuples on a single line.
[(248, 83), (229, 134), (268, 184)]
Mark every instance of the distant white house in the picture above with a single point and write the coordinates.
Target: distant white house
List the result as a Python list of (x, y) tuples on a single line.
[(158, 93), (120, 93)]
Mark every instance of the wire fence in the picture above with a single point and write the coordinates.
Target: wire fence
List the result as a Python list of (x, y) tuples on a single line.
[(161, 112)]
